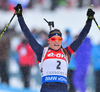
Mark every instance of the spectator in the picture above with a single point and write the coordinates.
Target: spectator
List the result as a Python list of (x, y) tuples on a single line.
[(4, 4), (27, 59), (68, 38), (54, 4), (71, 69), (25, 3), (96, 3), (34, 33), (42, 38), (96, 65), (4, 55), (82, 58), (71, 3)]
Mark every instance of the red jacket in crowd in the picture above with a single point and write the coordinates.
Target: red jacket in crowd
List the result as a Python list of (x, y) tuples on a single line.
[(26, 55)]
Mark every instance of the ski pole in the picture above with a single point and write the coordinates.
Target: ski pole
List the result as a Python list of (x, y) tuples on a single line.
[(96, 23), (7, 25), (90, 7)]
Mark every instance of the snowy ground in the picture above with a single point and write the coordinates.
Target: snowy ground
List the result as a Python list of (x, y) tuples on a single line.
[(16, 83), (15, 76)]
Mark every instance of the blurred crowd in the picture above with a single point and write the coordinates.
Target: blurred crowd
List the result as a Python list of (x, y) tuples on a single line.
[(47, 4), (17, 59)]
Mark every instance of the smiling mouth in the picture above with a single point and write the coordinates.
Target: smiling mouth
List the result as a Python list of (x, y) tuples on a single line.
[(56, 45)]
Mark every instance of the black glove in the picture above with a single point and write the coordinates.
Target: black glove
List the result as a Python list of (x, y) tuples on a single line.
[(18, 10), (90, 14)]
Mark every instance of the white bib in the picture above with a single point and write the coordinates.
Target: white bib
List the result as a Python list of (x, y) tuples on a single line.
[(54, 66)]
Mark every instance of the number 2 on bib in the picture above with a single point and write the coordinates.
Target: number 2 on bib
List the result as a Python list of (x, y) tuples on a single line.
[(58, 66)]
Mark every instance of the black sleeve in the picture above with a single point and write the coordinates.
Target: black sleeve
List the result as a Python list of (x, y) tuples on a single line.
[(37, 48), (75, 44)]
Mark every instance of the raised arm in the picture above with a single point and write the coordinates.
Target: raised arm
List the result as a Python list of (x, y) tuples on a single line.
[(38, 49), (75, 44)]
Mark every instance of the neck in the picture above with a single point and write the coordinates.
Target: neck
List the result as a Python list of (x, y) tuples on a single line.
[(54, 50)]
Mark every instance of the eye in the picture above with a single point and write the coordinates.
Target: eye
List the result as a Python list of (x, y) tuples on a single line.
[(53, 38), (60, 39)]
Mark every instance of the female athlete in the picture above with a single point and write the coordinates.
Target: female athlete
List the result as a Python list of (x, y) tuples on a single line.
[(54, 60)]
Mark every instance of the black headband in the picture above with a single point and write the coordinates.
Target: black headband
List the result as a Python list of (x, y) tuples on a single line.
[(55, 32)]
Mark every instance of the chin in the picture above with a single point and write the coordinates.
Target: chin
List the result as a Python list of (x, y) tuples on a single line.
[(56, 48)]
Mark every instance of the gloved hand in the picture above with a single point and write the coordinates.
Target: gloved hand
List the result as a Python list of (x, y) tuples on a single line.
[(90, 14), (18, 10)]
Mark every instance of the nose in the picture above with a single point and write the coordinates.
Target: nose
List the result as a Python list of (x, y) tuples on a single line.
[(57, 40)]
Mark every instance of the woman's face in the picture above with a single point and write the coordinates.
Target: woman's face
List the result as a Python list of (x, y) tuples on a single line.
[(55, 42)]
